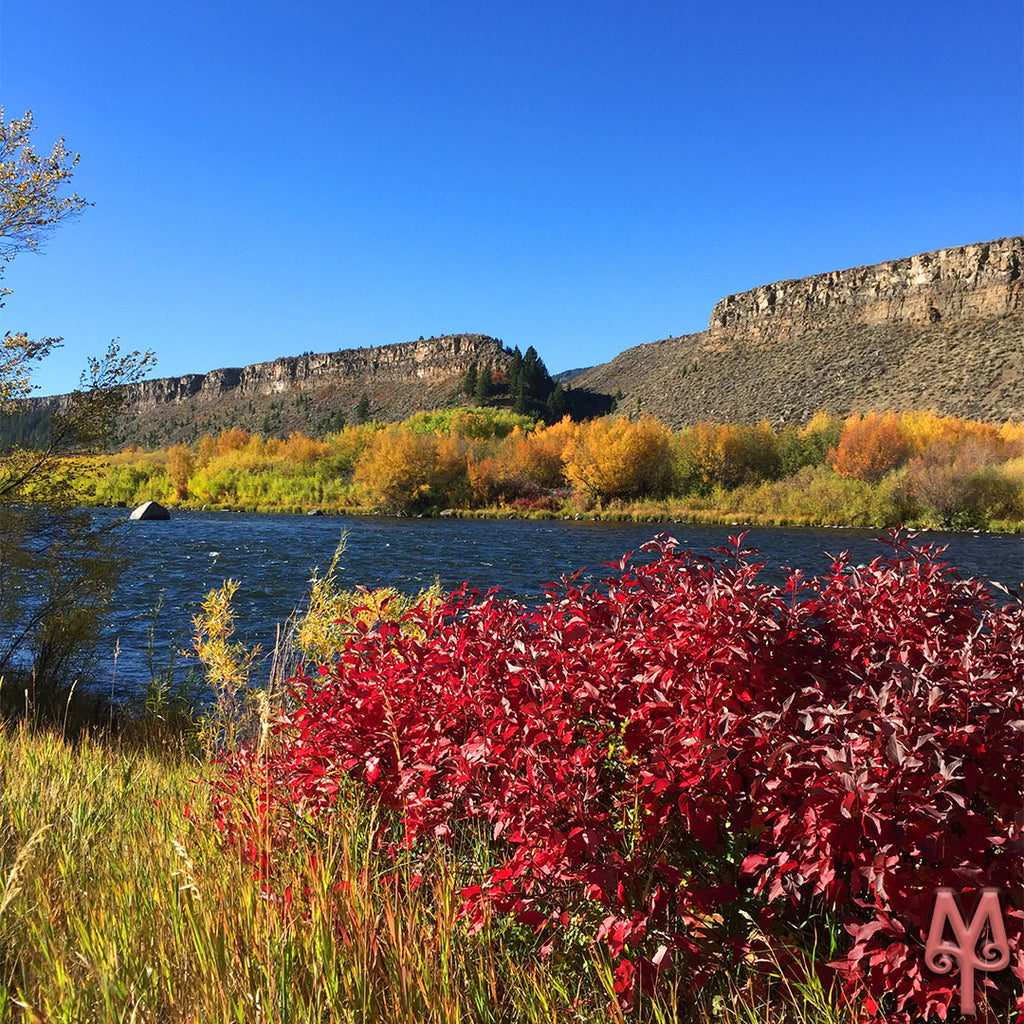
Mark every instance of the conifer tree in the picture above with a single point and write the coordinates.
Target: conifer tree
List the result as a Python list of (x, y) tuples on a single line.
[(484, 385), (557, 404), (536, 381), (363, 409), (515, 372)]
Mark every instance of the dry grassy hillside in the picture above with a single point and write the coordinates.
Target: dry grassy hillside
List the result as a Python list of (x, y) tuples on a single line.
[(942, 330)]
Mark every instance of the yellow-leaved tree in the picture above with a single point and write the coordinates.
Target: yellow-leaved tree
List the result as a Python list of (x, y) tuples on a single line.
[(180, 466), (403, 470), (615, 457)]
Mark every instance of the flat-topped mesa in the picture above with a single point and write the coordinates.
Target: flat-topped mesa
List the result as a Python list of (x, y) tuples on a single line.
[(942, 330), (315, 393), (427, 360), (968, 281)]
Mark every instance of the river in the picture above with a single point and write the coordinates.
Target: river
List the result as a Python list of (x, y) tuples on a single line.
[(174, 564)]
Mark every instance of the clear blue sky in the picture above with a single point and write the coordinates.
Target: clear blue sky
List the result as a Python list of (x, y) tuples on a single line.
[(271, 178)]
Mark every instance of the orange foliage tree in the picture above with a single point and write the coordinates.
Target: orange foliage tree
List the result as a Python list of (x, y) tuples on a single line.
[(541, 453), (301, 450), (871, 446), (232, 440), (403, 470), (525, 464), (180, 466)]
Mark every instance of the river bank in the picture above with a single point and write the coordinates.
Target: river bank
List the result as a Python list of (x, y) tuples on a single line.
[(872, 471), (663, 512)]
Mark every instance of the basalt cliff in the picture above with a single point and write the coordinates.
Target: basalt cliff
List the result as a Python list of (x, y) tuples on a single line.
[(941, 330), (315, 393)]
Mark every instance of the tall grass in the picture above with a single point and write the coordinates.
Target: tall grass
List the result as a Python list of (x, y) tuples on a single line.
[(118, 903)]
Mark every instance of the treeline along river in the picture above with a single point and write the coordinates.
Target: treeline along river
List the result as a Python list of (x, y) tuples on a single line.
[(175, 563)]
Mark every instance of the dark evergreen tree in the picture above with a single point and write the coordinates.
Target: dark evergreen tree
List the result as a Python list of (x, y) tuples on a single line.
[(557, 404), (515, 372), (536, 381), (363, 409), (484, 385), (469, 383), (530, 371)]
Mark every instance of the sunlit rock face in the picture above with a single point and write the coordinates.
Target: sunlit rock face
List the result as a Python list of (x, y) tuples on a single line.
[(970, 281), (436, 359), (314, 393), (942, 330)]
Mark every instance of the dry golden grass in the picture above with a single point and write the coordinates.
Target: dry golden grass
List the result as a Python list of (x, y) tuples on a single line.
[(120, 903)]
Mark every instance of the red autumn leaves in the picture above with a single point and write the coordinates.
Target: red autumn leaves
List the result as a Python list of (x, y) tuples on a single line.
[(688, 765)]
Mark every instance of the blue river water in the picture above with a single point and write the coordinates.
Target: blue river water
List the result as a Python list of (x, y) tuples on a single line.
[(175, 563)]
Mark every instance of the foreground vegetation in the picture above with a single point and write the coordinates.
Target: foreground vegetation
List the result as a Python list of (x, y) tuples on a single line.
[(865, 470), (594, 810), (121, 901), (118, 903)]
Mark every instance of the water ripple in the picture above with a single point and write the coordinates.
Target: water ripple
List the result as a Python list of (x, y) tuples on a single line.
[(274, 556)]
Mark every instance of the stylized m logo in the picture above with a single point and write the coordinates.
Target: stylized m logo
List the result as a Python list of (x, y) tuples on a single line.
[(993, 955)]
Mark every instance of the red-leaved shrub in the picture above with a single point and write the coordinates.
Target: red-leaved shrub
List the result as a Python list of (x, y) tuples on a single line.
[(691, 765)]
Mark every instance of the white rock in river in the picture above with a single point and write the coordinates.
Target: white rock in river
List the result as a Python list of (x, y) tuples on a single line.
[(150, 510)]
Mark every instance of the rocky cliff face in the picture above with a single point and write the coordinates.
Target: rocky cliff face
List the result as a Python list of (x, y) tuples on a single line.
[(312, 392), (971, 281), (942, 330), (426, 362)]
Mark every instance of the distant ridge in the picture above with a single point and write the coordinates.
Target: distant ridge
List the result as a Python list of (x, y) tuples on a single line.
[(941, 330), (567, 376), (315, 392)]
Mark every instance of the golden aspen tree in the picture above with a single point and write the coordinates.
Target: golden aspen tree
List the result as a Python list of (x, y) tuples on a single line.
[(614, 457), (231, 440), (180, 467), (541, 453), (706, 456), (924, 428), (207, 451), (301, 450), (402, 469)]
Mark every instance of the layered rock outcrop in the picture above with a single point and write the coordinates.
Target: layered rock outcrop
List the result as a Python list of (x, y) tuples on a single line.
[(968, 282), (424, 361), (312, 392), (941, 330)]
